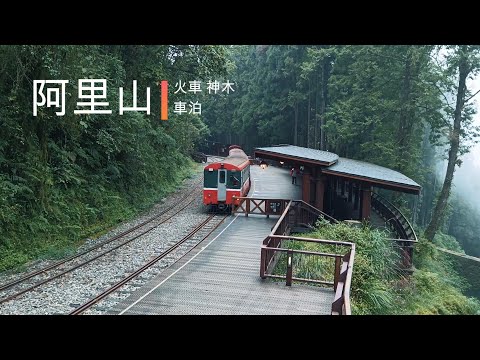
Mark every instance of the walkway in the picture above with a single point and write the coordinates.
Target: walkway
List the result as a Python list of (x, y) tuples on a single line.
[(221, 276)]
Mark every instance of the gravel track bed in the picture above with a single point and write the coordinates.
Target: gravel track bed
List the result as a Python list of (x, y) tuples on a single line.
[(62, 295), (126, 290)]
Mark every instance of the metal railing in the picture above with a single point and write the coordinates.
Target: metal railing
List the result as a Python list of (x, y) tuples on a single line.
[(393, 217), (399, 225)]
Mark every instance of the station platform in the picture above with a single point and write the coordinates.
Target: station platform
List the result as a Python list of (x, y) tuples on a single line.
[(221, 275)]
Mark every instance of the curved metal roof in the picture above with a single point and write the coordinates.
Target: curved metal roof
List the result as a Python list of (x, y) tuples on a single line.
[(332, 164), (369, 172), (301, 153)]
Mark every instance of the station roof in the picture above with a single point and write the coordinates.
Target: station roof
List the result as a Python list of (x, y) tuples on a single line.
[(299, 153), (375, 174), (332, 164)]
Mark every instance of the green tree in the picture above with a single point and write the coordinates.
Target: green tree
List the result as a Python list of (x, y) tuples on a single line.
[(64, 178), (462, 62)]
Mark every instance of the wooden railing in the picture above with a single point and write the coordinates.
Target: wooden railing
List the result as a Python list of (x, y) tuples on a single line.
[(247, 206), (283, 227), (304, 212), (342, 269), (295, 213), (341, 302), (308, 214), (400, 226)]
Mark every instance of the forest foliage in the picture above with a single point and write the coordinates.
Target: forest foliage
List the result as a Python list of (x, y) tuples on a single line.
[(378, 285), (65, 178), (391, 105)]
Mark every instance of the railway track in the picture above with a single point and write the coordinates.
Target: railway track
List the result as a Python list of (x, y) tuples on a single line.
[(185, 245), (45, 275)]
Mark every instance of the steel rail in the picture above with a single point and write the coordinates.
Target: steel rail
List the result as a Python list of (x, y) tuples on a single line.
[(53, 266), (137, 272)]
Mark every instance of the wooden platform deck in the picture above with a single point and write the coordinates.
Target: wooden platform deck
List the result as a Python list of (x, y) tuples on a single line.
[(221, 276)]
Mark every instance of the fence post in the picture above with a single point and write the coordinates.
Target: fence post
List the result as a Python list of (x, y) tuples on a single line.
[(247, 207), (410, 256), (289, 267), (337, 272), (263, 257)]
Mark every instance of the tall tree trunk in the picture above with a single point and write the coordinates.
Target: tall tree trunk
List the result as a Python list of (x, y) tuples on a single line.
[(295, 132), (309, 110), (323, 105), (402, 132), (439, 211), (316, 120), (427, 190)]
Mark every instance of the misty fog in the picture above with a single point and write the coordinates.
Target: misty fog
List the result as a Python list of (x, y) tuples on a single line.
[(467, 177)]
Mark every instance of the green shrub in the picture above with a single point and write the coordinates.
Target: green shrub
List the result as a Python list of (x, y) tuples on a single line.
[(88, 210), (447, 242), (378, 287), (429, 294), (375, 265)]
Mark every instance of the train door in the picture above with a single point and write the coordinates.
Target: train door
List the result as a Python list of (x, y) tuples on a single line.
[(222, 185)]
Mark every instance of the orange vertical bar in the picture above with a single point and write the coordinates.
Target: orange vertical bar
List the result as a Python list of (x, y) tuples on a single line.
[(164, 102)]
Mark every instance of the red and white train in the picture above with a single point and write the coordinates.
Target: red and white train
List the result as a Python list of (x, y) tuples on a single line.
[(225, 179)]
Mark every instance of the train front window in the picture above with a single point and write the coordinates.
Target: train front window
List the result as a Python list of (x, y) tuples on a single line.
[(234, 181), (222, 177), (210, 179)]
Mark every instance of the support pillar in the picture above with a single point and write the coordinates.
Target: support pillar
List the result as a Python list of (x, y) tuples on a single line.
[(350, 191), (330, 196), (319, 192), (366, 201), (360, 202), (356, 197), (306, 187)]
